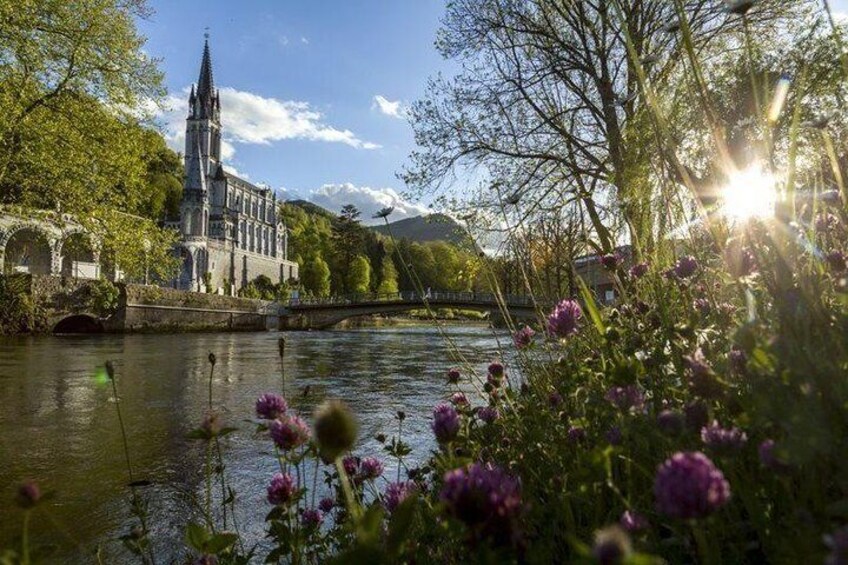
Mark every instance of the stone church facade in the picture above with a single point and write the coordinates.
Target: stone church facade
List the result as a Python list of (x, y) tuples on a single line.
[(230, 230)]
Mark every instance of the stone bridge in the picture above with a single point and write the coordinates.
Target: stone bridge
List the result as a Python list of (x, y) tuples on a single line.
[(322, 313)]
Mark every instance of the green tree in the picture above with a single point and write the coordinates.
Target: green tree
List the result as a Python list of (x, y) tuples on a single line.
[(347, 244), (315, 276), (73, 80), (162, 189), (359, 275), (388, 277), (310, 232), (422, 264), (136, 246), (447, 266), (548, 100), (267, 289)]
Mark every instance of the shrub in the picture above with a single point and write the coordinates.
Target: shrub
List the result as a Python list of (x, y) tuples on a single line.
[(19, 313), (102, 297)]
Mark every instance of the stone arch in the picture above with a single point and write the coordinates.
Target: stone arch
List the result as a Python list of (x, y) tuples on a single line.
[(79, 324), (27, 248), (75, 247)]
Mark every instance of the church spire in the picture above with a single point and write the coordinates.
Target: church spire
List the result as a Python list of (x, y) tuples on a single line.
[(205, 84), (206, 97)]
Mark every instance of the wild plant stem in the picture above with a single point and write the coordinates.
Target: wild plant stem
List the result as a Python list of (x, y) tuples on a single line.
[(123, 430), (400, 439), (352, 507), (209, 486), (25, 539), (282, 346), (223, 482), (211, 374), (314, 483), (135, 499), (704, 550)]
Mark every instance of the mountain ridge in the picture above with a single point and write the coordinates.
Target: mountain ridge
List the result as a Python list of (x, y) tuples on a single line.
[(432, 227)]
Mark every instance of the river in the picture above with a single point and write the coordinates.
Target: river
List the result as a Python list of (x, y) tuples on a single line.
[(58, 423)]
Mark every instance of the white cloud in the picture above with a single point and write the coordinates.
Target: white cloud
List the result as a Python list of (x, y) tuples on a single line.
[(233, 171), (304, 41), (368, 200), (394, 109), (252, 119)]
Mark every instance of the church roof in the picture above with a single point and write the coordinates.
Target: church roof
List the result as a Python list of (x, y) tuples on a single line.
[(236, 180)]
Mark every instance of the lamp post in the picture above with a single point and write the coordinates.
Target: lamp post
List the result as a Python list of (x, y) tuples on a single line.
[(146, 244)]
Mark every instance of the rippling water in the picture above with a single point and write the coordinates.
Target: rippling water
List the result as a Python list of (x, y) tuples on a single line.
[(58, 423)]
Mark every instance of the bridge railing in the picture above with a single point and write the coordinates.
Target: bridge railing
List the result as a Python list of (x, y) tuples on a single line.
[(411, 296)]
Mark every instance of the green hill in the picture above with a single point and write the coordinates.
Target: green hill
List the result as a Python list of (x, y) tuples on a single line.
[(434, 227), (311, 208)]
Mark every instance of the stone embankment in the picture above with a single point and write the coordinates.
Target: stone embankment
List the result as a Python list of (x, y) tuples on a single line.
[(73, 305)]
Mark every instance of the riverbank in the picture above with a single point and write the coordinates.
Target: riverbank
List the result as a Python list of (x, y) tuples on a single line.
[(399, 321), (51, 304)]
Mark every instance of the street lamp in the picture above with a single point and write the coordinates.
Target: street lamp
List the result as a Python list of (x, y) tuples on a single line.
[(146, 244)]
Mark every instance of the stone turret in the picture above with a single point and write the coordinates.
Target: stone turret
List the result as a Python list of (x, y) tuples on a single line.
[(194, 208)]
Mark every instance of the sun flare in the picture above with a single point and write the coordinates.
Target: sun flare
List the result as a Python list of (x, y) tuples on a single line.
[(750, 193)]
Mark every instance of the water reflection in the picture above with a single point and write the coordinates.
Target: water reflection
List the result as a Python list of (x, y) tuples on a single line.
[(58, 423)]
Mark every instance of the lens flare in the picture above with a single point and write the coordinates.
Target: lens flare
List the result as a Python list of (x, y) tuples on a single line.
[(749, 194), (100, 376)]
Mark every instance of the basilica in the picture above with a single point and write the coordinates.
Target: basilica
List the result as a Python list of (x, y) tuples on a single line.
[(230, 230)]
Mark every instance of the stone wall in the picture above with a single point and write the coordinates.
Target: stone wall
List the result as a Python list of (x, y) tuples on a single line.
[(157, 309), (248, 266), (139, 308)]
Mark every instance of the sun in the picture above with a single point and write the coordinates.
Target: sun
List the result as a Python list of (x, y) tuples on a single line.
[(750, 193)]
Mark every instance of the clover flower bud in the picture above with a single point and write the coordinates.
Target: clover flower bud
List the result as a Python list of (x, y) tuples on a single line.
[(688, 485), (445, 423), (281, 489), (335, 430)]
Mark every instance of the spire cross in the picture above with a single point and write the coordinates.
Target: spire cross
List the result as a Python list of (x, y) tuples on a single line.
[(206, 33)]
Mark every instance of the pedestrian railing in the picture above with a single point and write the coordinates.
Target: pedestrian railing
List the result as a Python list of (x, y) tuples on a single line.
[(413, 297)]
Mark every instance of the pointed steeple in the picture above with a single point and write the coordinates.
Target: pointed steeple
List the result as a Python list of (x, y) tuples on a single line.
[(205, 84)]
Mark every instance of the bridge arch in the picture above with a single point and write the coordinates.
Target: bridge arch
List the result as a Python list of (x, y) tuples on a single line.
[(79, 324)]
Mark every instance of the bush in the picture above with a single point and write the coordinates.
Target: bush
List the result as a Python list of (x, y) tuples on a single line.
[(19, 313), (102, 297)]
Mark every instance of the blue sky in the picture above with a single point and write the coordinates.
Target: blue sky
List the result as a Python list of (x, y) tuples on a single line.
[(312, 92)]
